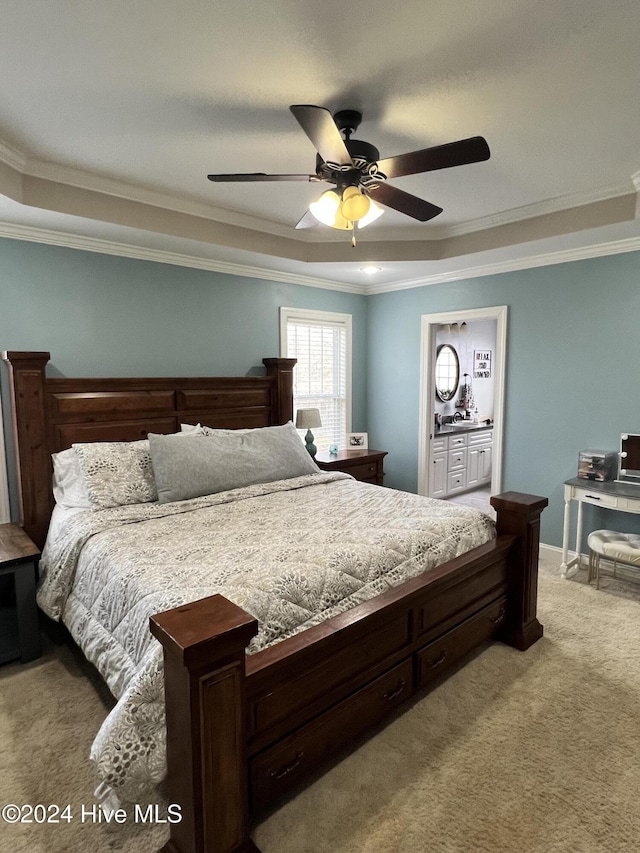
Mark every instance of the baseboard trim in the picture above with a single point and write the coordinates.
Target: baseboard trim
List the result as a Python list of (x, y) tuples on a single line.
[(623, 571), (552, 551)]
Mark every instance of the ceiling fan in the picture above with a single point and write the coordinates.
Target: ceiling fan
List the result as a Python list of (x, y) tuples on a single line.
[(358, 173)]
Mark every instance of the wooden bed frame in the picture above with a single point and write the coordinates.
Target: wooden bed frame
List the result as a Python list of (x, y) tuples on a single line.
[(244, 731)]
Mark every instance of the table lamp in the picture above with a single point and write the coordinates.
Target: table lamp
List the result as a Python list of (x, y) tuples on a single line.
[(309, 419)]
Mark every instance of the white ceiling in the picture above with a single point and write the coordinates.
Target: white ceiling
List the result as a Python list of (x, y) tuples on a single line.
[(112, 114)]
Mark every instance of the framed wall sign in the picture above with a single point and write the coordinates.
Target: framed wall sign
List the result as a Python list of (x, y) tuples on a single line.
[(481, 364)]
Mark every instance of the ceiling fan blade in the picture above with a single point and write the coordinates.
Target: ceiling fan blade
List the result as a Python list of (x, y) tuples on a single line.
[(318, 124), (404, 202), (260, 176), (472, 150), (307, 221)]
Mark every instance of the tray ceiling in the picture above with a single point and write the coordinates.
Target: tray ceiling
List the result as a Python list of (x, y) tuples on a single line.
[(112, 114)]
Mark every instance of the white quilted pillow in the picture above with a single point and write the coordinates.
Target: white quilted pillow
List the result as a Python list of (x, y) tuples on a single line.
[(117, 473)]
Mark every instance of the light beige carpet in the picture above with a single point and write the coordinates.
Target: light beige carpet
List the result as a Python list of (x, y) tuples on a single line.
[(516, 753)]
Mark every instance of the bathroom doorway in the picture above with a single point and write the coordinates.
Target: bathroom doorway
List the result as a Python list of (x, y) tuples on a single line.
[(461, 425)]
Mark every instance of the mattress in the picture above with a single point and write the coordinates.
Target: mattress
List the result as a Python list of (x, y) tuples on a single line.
[(292, 553)]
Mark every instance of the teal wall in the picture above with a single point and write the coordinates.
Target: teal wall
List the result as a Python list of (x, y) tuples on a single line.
[(101, 315), (572, 350), (573, 381)]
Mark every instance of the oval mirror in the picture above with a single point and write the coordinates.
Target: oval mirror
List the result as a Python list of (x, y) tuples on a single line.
[(447, 372)]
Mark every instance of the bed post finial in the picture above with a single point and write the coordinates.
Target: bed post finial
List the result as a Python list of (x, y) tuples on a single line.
[(518, 514), (281, 369), (27, 387)]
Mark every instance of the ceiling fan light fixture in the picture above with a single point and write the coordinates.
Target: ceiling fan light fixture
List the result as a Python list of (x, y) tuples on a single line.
[(375, 211), (342, 212), (326, 209), (355, 205)]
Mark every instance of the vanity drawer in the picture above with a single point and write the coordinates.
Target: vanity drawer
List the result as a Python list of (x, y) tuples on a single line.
[(456, 481), (483, 436), (457, 459), (439, 444), (600, 499), (280, 767), (456, 441)]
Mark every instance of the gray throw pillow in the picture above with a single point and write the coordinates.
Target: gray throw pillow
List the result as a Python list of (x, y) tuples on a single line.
[(194, 465)]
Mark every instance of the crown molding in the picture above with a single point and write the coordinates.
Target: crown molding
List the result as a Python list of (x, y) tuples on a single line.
[(109, 247), (563, 256), (126, 250), (514, 214), (540, 208)]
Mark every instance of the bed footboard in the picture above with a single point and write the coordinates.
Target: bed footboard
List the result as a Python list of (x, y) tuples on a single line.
[(241, 733)]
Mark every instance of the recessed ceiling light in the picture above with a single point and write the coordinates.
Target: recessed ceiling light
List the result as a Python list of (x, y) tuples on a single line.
[(370, 269)]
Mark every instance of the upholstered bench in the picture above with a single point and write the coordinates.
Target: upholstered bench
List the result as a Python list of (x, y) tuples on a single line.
[(619, 547)]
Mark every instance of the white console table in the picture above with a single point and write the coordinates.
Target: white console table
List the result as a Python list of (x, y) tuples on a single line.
[(621, 497)]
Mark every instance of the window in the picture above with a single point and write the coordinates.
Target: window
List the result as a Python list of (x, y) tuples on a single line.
[(321, 343)]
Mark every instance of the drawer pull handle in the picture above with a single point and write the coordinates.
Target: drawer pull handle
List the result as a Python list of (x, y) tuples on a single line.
[(594, 497), (500, 617), (396, 692), (284, 771), (439, 660)]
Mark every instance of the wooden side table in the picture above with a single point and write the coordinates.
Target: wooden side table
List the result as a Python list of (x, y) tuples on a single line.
[(364, 465), (19, 630)]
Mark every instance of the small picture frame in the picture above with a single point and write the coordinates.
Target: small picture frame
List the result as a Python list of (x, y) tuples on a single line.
[(357, 441)]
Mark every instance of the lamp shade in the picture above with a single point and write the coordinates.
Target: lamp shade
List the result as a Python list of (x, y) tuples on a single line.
[(355, 205), (308, 419), (374, 212), (342, 209), (326, 209)]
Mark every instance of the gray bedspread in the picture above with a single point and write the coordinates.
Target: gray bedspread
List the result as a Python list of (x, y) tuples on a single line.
[(292, 553)]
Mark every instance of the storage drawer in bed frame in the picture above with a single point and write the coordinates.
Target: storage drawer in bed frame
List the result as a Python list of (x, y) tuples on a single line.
[(279, 768), (455, 644), (312, 690), (399, 665)]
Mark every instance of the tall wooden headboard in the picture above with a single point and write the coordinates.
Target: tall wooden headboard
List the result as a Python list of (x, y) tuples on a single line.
[(51, 414)]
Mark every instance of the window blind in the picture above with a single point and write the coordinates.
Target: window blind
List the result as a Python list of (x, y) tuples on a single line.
[(320, 378)]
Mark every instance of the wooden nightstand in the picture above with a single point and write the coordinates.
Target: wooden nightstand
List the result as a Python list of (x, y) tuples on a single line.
[(365, 465), (19, 631)]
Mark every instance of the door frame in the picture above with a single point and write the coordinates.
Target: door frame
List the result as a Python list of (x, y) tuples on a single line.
[(428, 326)]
